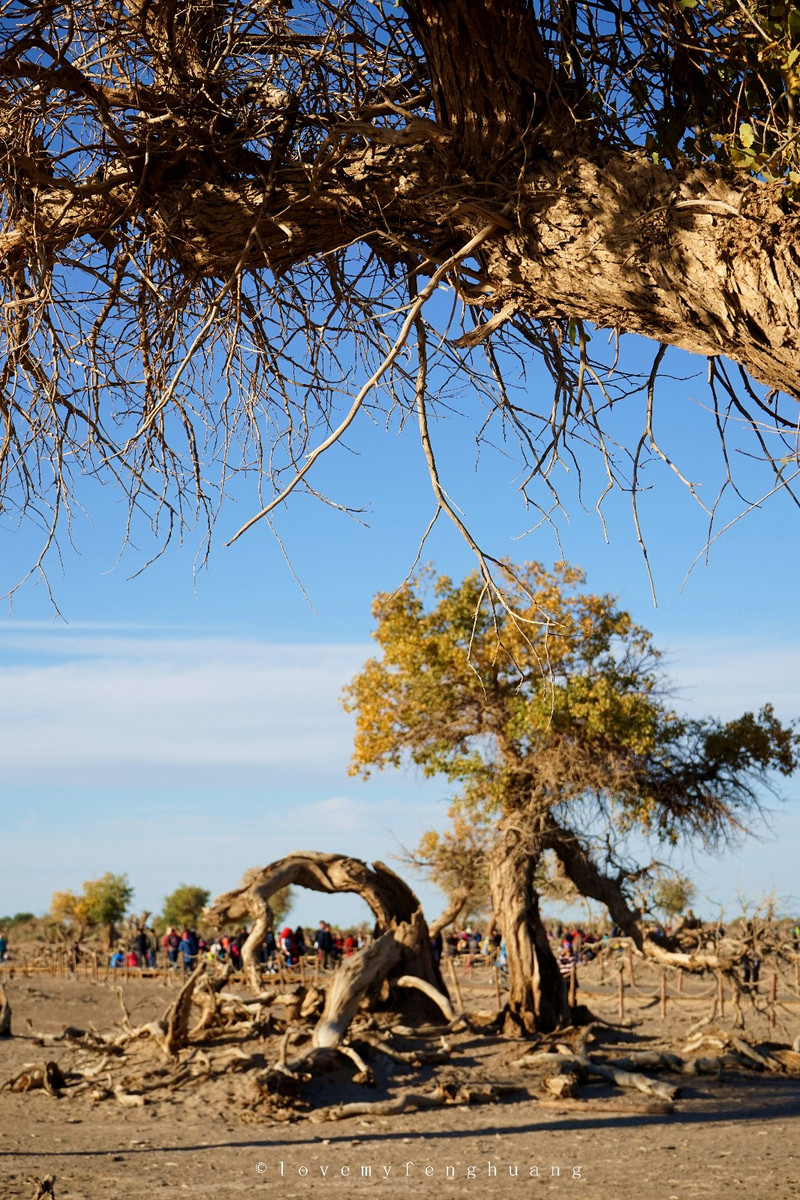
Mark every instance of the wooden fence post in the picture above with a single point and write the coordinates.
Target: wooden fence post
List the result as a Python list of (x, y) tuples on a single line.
[(573, 986), (663, 993), (621, 995), (456, 984)]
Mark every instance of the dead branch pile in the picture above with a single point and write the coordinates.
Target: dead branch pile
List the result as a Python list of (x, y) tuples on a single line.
[(563, 1062), (264, 1050)]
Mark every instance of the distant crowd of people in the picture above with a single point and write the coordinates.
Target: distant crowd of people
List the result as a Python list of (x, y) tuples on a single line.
[(570, 946), (186, 947)]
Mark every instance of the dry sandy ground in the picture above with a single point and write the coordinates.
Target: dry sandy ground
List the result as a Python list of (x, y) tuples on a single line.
[(734, 1137)]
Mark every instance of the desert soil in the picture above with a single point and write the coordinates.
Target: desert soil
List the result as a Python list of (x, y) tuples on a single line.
[(734, 1136)]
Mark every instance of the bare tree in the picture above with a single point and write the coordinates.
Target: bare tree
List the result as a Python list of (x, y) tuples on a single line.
[(216, 214)]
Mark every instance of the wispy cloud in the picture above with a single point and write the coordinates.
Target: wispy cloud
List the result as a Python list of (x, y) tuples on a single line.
[(190, 758), (103, 700)]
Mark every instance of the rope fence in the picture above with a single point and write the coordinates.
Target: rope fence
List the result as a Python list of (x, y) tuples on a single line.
[(642, 982)]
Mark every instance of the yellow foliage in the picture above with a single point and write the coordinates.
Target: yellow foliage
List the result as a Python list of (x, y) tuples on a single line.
[(544, 699)]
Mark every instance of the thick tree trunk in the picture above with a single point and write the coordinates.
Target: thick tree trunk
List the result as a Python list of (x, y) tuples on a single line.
[(704, 259), (537, 996)]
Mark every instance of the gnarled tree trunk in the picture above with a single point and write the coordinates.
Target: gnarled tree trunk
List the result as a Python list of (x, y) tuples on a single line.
[(537, 996), (397, 911), (608, 890)]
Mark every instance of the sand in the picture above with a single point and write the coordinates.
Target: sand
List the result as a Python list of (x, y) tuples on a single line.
[(737, 1135)]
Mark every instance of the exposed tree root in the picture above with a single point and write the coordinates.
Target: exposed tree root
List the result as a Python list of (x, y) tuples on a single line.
[(44, 1187), (171, 1032), (582, 1064), (443, 1094)]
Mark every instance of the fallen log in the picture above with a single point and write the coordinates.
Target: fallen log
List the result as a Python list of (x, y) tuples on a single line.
[(583, 1064), (441, 1096)]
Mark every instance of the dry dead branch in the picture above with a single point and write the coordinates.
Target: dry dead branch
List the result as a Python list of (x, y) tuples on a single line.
[(85, 1039), (46, 1076), (44, 1187), (414, 1058), (170, 1032), (583, 1064), (443, 1094)]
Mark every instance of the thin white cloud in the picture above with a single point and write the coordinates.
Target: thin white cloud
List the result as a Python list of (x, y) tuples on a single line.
[(170, 756), (99, 701)]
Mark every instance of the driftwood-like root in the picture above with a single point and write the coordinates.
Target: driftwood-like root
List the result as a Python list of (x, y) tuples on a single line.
[(443, 1094), (585, 1065), (438, 998), (170, 1032)]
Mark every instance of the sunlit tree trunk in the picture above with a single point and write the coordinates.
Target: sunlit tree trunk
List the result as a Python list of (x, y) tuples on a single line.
[(537, 999)]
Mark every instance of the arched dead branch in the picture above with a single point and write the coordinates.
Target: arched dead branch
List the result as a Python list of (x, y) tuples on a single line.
[(397, 910)]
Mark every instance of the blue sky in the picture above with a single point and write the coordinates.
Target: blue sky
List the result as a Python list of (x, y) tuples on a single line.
[(183, 725)]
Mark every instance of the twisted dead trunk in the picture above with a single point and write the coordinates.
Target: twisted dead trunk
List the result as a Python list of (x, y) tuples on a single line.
[(397, 911)]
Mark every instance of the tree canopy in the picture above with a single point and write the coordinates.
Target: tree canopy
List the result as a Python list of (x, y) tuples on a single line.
[(103, 901), (226, 231), (185, 905), (549, 717)]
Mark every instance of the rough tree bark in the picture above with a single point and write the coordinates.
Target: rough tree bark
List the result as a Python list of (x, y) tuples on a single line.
[(537, 996), (703, 258)]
